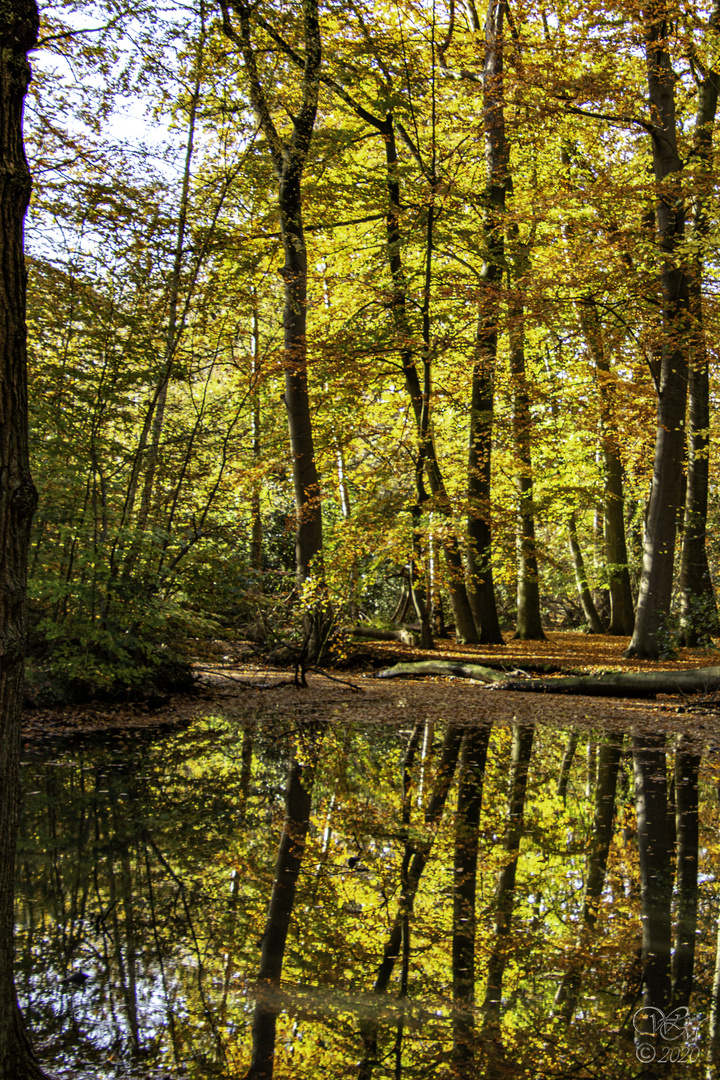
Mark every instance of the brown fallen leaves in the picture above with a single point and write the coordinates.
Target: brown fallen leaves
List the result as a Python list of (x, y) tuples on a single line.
[(239, 687)]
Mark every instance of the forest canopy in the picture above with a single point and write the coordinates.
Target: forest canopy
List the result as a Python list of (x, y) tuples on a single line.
[(368, 313)]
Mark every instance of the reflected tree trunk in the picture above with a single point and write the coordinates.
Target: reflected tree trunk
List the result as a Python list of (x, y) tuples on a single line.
[(566, 764), (713, 1050), (522, 743), (417, 856), (649, 765), (609, 754), (470, 789), (298, 794), (246, 756), (687, 766)]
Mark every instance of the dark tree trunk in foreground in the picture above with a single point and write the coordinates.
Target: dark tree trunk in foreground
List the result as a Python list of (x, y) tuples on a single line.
[(289, 158), (298, 793), (497, 158), (18, 32), (470, 789), (671, 374), (687, 766)]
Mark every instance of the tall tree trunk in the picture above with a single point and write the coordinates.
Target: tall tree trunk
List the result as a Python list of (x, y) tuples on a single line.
[(698, 606), (497, 158), (470, 788), (465, 630), (671, 375), (289, 158), (529, 623), (622, 615), (589, 609), (255, 516), (18, 498)]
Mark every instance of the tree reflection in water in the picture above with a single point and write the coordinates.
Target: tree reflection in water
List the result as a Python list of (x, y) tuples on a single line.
[(526, 917)]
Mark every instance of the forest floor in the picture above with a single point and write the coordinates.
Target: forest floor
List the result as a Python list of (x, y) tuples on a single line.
[(235, 683)]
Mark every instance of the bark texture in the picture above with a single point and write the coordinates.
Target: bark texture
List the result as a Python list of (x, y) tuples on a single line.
[(698, 606), (529, 623), (671, 373), (622, 615), (18, 33), (497, 158)]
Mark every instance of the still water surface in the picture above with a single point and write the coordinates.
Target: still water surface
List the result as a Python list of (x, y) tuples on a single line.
[(146, 866)]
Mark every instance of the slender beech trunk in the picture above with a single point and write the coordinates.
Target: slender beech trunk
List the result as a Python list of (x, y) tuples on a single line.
[(482, 394), (606, 783), (505, 895), (687, 766), (529, 623), (289, 158), (470, 788), (464, 624), (298, 796), (698, 606), (18, 498), (255, 515), (622, 615), (671, 375), (588, 606), (386, 127)]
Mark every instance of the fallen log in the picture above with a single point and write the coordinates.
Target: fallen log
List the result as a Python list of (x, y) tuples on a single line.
[(405, 635), (443, 667), (630, 684)]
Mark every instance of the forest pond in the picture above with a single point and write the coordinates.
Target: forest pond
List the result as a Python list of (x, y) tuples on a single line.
[(146, 866)]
